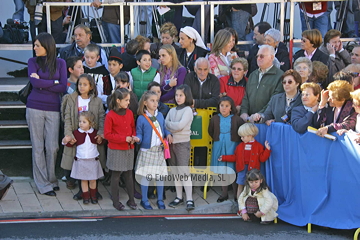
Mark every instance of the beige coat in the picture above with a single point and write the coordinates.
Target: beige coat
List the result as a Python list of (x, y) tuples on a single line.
[(69, 114), (268, 203)]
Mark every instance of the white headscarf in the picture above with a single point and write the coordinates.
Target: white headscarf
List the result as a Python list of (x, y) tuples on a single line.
[(192, 33)]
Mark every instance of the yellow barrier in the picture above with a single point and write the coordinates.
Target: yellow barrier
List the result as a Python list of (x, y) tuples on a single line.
[(356, 235)]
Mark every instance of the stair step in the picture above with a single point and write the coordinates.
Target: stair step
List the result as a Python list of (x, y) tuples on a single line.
[(15, 144), (13, 124), (12, 104)]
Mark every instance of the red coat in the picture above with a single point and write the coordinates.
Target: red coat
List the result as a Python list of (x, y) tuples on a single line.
[(117, 128), (258, 154), (237, 93)]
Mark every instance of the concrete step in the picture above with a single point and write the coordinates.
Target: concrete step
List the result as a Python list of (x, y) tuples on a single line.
[(13, 124), (12, 104), (15, 144)]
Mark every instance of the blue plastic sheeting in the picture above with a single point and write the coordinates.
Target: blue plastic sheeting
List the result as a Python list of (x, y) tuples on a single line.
[(316, 180)]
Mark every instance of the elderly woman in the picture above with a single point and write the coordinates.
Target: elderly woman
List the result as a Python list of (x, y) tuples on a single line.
[(305, 115), (319, 74), (310, 43), (168, 33), (356, 105), (221, 57), (333, 47), (172, 74), (234, 84), (192, 47), (273, 38), (354, 70), (335, 108), (280, 105), (304, 67)]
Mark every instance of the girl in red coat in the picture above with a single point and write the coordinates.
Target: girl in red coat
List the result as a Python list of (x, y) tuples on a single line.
[(248, 154)]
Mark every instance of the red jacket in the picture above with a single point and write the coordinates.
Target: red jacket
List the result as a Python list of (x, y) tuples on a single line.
[(309, 7), (236, 92), (258, 154), (117, 128)]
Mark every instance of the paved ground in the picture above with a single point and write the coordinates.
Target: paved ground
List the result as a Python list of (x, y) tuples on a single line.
[(24, 200)]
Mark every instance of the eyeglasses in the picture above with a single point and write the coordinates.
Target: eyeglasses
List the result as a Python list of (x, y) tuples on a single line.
[(288, 82), (261, 55), (238, 69), (303, 39)]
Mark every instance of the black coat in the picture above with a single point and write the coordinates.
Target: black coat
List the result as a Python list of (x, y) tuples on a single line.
[(129, 61), (318, 56), (197, 53)]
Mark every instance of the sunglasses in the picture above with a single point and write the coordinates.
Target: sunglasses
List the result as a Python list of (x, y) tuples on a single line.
[(238, 69), (288, 82), (261, 56)]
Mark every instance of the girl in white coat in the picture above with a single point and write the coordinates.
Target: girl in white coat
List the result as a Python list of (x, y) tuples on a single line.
[(257, 200)]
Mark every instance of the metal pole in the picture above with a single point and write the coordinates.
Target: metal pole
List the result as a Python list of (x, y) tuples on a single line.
[(202, 9), (132, 27), (291, 23), (282, 17), (212, 21), (122, 25), (48, 20)]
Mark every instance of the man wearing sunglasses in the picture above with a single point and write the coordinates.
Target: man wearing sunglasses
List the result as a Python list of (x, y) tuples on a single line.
[(262, 84)]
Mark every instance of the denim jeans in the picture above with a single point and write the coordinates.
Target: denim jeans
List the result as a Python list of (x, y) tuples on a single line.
[(238, 20), (112, 32), (321, 23), (19, 10)]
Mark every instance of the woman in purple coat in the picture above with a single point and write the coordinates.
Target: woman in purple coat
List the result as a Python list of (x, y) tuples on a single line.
[(48, 78)]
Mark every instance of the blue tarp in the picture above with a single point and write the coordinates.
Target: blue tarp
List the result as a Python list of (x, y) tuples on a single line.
[(316, 180)]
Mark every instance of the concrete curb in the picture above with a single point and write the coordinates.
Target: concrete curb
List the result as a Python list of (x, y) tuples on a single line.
[(214, 208)]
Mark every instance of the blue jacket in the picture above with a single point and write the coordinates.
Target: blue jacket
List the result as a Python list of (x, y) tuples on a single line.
[(144, 130)]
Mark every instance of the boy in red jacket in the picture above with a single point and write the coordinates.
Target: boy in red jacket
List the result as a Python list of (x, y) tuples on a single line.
[(248, 154)]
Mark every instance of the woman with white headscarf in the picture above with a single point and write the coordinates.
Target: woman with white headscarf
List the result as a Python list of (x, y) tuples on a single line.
[(192, 47)]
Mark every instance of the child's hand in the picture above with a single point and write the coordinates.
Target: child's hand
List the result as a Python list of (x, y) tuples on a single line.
[(245, 217), (220, 159), (128, 139), (169, 138), (66, 139), (258, 214), (136, 139), (73, 141), (99, 139), (267, 145)]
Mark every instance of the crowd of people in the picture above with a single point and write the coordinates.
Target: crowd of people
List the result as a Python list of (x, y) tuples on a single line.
[(114, 115)]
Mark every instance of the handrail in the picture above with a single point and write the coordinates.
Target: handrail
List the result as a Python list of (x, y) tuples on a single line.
[(120, 4), (132, 4)]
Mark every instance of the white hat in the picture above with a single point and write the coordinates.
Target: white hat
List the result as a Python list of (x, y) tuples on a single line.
[(192, 33)]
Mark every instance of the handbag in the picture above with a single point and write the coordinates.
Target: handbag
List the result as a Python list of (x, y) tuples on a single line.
[(164, 141), (25, 92)]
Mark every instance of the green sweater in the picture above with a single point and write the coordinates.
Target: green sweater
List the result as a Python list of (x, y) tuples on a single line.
[(142, 79), (258, 94)]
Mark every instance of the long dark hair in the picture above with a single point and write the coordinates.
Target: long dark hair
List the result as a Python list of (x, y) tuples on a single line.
[(93, 91), (232, 104), (47, 41), (253, 175), (120, 94), (188, 94)]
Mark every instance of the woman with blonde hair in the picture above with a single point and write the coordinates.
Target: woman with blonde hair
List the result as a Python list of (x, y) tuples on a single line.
[(336, 108), (172, 73), (221, 56), (168, 34)]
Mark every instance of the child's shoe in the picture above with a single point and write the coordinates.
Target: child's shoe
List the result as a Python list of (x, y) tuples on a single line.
[(93, 196), (86, 197), (177, 201), (146, 205), (161, 204), (190, 205)]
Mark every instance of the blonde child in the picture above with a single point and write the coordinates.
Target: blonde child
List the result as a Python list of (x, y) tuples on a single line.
[(119, 130), (83, 99), (248, 154), (257, 200), (178, 122), (86, 165), (223, 129), (150, 129)]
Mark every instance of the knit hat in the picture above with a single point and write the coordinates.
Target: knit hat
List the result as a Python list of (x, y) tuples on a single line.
[(192, 33), (115, 55)]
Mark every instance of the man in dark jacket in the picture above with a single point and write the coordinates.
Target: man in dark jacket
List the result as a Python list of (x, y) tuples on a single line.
[(82, 36), (205, 87)]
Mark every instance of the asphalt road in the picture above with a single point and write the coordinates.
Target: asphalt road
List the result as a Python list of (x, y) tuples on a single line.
[(172, 227)]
